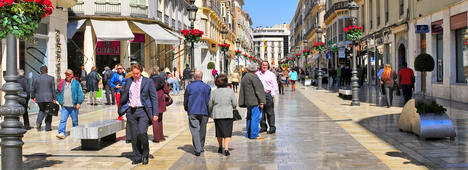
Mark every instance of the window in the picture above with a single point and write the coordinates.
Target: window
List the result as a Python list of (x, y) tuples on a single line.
[(340, 30), (461, 36), (440, 57), (386, 11), (401, 4), (370, 13), (378, 12)]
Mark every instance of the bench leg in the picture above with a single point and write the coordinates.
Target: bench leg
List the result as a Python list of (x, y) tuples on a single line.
[(90, 144), (110, 138)]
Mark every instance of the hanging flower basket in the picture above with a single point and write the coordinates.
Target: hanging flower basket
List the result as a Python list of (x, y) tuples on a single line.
[(334, 48), (22, 17), (305, 52), (192, 35), (224, 47), (245, 56), (319, 46), (238, 53), (353, 33), (298, 55)]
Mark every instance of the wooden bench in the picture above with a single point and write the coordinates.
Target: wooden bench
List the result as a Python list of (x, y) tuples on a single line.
[(94, 135), (345, 93)]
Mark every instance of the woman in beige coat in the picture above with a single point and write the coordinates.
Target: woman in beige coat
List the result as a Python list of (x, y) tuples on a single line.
[(235, 79)]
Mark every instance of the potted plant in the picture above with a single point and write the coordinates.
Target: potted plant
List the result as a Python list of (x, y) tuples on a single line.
[(238, 53), (192, 35), (424, 117), (210, 65), (224, 47)]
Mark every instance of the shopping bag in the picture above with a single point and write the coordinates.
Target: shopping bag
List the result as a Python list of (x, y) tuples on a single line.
[(99, 93)]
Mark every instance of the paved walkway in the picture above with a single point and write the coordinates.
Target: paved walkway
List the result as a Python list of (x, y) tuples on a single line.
[(305, 139)]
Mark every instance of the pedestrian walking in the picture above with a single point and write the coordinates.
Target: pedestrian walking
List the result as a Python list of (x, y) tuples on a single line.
[(174, 82), (286, 75), (187, 75), (270, 86), (244, 72), (117, 82), (162, 90), (43, 93), (83, 76), (139, 102), (379, 76), (338, 77), (70, 97), (280, 79), (235, 80), (92, 85), (388, 80), (293, 76), (406, 81), (214, 72), (24, 96), (221, 105), (163, 74), (196, 98), (106, 77), (252, 97)]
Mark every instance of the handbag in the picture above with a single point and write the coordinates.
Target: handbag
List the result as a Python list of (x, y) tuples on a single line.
[(53, 109), (236, 115), (168, 99)]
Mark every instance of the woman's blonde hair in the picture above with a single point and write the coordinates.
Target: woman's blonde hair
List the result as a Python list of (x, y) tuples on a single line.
[(387, 71)]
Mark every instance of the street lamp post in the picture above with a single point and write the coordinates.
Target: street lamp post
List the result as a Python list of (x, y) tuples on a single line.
[(319, 74), (192, 10), (12, 129), (353, 8), (238, 57), (224, 33), (306, 43), (298, 50)]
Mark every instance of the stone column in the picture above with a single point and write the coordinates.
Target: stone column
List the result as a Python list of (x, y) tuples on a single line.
[(269, 51), (88, 48), (125, 53), (276, 53)]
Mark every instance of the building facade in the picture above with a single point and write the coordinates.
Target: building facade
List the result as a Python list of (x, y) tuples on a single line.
[(244, 33), (271, 43)]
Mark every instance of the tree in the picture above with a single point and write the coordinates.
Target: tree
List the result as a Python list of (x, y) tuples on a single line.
[(424, 63)]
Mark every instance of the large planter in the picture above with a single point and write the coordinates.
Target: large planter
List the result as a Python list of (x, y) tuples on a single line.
[(427, 125)]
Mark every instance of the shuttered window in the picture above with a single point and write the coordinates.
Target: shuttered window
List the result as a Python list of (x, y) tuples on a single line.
[(458, 21)]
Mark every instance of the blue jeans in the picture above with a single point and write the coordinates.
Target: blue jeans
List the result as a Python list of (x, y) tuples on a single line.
[(65, 111), (175, 87), (253, 121)]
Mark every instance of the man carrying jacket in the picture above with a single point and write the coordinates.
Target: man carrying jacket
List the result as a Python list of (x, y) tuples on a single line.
[(70, 97)]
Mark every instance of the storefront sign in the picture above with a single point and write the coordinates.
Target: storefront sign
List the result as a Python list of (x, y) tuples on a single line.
[(329, 54), (341, 53), (108, 48), (139, 38), (422, 28)]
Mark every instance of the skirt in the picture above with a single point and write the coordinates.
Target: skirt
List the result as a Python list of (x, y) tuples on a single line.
[(223, 128)]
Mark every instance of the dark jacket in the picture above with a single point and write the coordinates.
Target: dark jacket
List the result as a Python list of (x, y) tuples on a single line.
[(106, 77), (196, 98), (114, 81), (92, 81), (77, 92), (161, 89), (251, 91), (187, 74), (43, 88), (24, 93), (148, 96)]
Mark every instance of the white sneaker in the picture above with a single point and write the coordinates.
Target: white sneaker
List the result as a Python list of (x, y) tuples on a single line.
[(60, 136)]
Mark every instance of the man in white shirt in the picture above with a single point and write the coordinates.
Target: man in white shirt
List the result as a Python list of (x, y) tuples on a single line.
[(270, 86)]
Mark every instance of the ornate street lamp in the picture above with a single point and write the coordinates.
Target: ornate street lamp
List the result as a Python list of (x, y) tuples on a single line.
[(192, 11), (319, 74), (306, 47), (224, 34), (298, 51), (353, 8), (238, 57)]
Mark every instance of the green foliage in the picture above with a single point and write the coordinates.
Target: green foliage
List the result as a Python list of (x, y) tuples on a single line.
[(308, 65), (210, 65), (21, 19), (431, 108), (424, 63)]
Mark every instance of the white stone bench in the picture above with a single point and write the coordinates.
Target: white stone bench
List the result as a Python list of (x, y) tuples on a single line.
[(345, 93), (94, 134)]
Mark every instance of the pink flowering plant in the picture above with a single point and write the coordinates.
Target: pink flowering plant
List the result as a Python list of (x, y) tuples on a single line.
[(192, 35), (224, 47), (22, 17), (353, 33), (319, 46), (238, 52), (305, 52)]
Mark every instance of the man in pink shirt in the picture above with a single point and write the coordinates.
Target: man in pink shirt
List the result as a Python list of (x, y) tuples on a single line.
[(270, 86)]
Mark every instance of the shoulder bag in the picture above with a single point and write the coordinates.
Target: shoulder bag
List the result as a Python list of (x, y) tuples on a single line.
[(236, 115)]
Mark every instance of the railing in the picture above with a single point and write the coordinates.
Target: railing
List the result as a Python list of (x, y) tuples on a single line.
[(77, 9), (166, 19), (179, 26), (310, 6), (108, 8), (159, 15), (336, 6), (139, 11), (173, 24)]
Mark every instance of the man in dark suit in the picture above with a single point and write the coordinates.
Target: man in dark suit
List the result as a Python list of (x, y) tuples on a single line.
[(24, 94), (107, 75), (43, 93), (139, 101)]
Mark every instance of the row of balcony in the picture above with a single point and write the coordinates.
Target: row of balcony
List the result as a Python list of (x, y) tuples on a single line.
[(310, 6), (213, 5), (335, 7)]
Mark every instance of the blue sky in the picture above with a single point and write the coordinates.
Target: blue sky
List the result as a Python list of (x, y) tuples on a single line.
[(270, 12)]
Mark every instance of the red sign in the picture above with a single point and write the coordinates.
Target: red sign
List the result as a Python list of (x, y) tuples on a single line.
[(108, 48)]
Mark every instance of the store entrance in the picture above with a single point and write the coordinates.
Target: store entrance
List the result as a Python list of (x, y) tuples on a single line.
[(106, 60)]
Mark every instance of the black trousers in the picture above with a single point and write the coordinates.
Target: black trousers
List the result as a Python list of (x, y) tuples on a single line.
[(268, 113), (280, 88), (407, 92), (138, 123), (26, 115), (42, 114), (109, 94)]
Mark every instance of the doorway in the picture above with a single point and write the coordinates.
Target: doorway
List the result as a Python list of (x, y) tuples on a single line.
[(401, 56)]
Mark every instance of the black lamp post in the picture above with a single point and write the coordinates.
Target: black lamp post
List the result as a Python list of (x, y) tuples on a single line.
[(238, 57), (12, 129), (192, 10), (353, 8), (298, 51), (224, 33), (319, 74), (305, 43)]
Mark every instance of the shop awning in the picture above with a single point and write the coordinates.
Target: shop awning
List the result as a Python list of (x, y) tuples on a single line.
[(74, 26), (159, 34), (112, 30), (175, 34)]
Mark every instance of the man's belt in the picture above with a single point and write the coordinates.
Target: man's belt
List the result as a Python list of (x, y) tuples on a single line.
[(137, 107)]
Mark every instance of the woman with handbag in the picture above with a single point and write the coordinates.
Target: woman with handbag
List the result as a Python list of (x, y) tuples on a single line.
[(162, 90), (388, 80), (220, 108)]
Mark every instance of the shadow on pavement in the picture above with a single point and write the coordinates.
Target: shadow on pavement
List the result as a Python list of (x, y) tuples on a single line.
[(39, 160), (404, 156), (187, 148)]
